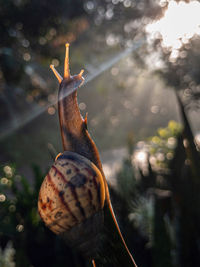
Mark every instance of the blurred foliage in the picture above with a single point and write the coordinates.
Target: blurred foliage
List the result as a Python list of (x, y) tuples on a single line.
[(161, 146), (23, 36), (182, 73), (7, 255), (32, 34), (164, 206)]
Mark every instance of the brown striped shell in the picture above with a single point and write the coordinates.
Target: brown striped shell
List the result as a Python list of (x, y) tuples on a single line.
[(72, 191)]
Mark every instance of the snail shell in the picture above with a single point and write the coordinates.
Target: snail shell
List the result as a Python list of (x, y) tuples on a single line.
[(72, 197)]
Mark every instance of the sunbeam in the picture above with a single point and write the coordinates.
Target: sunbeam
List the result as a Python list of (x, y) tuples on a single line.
[(35, 112)]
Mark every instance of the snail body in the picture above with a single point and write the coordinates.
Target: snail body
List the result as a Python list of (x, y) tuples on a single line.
[(72, 195)]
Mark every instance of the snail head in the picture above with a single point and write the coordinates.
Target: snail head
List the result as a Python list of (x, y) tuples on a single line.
[(67, 81)]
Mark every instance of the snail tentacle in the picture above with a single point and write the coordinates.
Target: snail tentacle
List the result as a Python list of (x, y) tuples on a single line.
[(67, 75), (56, 73)]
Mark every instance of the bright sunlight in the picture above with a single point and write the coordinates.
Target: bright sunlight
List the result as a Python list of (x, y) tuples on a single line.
[(180, 23)]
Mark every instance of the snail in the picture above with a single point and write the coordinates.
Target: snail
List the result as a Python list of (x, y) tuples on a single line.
[(74, 194)]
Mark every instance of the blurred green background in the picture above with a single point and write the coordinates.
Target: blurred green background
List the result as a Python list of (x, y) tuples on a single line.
[(142, 90)]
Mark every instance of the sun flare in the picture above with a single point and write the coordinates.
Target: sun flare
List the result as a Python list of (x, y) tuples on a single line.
[(179, 24)]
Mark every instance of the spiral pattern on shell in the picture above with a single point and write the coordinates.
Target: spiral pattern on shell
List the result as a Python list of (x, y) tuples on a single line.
[(72, 191)]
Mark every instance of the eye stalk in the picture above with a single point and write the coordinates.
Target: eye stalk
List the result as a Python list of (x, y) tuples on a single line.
[(58, 76), (67, 76)]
